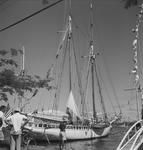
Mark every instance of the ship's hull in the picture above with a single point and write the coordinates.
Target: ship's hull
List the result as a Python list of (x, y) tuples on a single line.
[(72, 133)]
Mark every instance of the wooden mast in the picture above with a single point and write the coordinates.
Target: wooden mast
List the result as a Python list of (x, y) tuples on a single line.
[(69, 48), (92, 60), (94, 68)]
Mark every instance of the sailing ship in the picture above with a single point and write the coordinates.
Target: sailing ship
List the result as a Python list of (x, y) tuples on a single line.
[(133, 139), (46, 128), (79, 126)]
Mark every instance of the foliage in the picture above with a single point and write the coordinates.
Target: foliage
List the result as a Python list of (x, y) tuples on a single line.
[(129, 3), (12, 83)]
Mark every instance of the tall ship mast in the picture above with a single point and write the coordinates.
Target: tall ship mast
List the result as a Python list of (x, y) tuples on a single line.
[(92, 70)]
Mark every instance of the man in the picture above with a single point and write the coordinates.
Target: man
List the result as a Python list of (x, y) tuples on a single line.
[(2, 108), (62, 134), (17, 120), (70, 115)]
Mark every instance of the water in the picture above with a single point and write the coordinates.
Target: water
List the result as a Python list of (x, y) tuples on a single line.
[(109, 143)]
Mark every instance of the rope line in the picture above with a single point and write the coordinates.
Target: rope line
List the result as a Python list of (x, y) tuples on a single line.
[(30, 16)]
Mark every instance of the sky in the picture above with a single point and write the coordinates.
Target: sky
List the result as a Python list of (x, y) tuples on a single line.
[(41, 37)]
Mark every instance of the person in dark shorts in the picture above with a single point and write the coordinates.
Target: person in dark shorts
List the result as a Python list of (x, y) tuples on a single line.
[(62, 135)]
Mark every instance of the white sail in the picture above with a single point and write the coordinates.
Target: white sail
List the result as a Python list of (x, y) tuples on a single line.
[(72, 105)]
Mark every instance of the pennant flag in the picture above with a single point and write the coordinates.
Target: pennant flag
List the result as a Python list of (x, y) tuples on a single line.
[(8, 113), (134, 71), (137, 27), (134, 42), (134, 47), (139, 15), (135, 53), (137, 78), (136, 67), (133, 30), (135, 60), (142, 96), (141, 12)]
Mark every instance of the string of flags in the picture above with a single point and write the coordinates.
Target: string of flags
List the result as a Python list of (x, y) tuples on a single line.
[(135, 45), (135, 50)]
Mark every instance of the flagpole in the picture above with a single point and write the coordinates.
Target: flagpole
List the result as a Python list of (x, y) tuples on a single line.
[(22, 74), (23, 59)]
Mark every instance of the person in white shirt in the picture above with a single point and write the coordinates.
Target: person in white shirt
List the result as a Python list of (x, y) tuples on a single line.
[(17, 120)]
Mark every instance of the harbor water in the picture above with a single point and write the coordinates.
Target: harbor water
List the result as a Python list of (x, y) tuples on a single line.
[(109, 143)]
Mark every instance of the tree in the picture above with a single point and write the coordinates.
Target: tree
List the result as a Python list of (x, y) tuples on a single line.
[(129, 3), (12, 82)]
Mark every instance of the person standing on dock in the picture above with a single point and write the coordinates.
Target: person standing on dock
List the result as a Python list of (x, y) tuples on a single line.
[(2, 118), (62, 134), (17, 120)]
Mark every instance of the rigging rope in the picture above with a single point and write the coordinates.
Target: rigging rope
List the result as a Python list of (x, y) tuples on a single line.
[(100, 93), (112, 85), (30, 16), (59, 83), (108, 95), (79, 77), (86, 85)]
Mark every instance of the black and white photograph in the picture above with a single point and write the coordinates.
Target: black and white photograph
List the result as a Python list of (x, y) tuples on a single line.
[(71, 74)]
